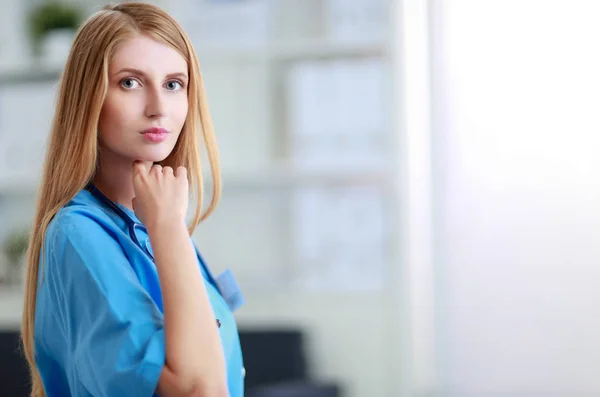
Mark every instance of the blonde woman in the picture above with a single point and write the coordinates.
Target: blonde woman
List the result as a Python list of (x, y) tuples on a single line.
[(118, 300)]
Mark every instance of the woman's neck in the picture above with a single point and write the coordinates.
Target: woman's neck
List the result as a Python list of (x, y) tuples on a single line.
[(114, 178)]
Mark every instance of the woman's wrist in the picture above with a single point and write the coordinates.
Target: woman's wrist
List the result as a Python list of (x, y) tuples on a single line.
[(166, 226)]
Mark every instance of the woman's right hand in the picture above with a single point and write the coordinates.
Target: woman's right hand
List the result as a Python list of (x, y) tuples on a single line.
[(161, 194)]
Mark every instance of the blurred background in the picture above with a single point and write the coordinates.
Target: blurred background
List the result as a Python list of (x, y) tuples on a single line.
[(410, 203)]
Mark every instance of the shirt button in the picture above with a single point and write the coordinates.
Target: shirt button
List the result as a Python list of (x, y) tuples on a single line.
[(243, 372)]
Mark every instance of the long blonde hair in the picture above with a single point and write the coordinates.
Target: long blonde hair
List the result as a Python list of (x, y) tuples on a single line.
[(71, 157)]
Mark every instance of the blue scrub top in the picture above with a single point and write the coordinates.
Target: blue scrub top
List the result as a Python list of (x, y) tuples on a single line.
[(99, 326)]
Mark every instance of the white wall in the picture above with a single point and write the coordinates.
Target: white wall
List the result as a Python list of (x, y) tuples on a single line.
[(516, 132)]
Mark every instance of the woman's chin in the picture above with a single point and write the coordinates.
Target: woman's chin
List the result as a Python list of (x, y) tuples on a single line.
[(154, 156)]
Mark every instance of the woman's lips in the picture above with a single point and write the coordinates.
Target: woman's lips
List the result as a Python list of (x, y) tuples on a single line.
[(155, 134)]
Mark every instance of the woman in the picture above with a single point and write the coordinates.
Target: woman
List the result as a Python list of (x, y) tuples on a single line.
[(118, 301)]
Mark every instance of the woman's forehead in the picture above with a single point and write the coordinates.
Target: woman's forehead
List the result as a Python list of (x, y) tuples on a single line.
[(148, 56)]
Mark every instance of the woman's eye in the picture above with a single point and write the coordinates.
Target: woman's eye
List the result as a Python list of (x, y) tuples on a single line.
[(174, 85), (129, 83)]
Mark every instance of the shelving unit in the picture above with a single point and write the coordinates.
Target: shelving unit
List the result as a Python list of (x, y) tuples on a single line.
[(271, 204)]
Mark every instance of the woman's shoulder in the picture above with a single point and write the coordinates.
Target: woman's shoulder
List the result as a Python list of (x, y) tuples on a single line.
[(77, 216)]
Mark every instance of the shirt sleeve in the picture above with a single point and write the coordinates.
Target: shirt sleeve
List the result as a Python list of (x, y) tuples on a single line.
[(114, 330)]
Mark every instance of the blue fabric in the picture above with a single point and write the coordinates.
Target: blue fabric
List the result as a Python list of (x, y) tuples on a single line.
[(230, 290), (99, 327)]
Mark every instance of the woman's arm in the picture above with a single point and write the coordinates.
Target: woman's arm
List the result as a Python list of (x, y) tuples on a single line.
[(195, 363)]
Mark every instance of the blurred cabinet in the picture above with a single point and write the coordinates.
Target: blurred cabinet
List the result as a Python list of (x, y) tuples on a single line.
[(299, 91), (26, 112)]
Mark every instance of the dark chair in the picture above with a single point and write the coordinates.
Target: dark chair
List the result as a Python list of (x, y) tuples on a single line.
[(276, 365), (14, 376), (272, 356), (295, 389)]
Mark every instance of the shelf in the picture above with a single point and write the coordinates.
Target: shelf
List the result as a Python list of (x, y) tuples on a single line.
[(282, 179), (293, 50), (17, 186), (28, 73), (273, 179), (288, 50), (319, 49), (11, 307)]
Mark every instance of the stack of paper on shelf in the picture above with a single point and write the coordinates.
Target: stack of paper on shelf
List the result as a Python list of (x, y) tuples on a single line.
[(337, 114)]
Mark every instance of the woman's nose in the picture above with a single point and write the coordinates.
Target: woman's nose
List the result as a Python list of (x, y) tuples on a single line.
[(155, 105)]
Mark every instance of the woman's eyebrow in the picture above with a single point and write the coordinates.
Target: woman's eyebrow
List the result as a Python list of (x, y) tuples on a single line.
[(179, 75), (132, 71), (142, 74)]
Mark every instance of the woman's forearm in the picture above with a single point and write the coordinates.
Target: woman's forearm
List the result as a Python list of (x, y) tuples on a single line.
[(193, 347)]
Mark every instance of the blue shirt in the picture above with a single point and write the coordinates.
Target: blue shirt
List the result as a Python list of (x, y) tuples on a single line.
[(99, 326)]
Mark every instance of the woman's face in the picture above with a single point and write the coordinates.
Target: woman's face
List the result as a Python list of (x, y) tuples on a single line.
[(146, 104)]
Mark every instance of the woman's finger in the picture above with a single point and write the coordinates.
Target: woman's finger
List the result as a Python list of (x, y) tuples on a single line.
[(139, 167), (181, 171)]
